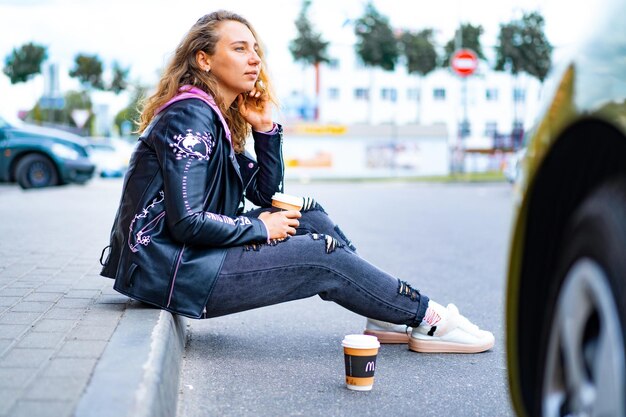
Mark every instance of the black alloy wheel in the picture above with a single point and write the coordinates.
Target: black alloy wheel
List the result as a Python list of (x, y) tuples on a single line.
[(36, 171), (584, 360)]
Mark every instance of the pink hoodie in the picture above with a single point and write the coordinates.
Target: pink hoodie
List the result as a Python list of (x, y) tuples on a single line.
[(189, 91)]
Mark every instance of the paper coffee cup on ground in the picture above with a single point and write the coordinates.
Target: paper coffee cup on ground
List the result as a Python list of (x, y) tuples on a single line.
[(286, 201), (360, 353)]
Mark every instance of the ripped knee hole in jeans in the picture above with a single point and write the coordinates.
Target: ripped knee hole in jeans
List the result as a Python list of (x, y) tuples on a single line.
[(330, 243), (405, 289)]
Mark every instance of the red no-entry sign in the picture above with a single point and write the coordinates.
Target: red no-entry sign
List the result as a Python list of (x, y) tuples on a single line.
[(464, 62)]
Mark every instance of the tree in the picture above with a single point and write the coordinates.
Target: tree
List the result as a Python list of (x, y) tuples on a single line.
[(309, 47), (376, 44), (420, 53), (119, 82), (25, 62), (523, 47), (468, 37), (88, 70), (419, 50)]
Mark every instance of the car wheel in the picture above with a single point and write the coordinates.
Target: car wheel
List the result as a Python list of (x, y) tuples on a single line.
[(585, 364), (35, 171)]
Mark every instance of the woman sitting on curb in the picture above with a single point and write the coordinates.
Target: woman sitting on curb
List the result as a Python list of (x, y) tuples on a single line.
[(181, 239)]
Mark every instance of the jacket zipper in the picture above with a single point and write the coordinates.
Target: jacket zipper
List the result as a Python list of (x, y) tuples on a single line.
[(180, 255), (251, 178), (282, 165)]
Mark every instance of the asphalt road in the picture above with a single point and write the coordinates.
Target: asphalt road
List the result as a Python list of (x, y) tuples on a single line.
[(448, 240)]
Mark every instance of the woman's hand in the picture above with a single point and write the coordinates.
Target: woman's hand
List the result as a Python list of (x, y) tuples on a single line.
[(281, 223), (255, 108)]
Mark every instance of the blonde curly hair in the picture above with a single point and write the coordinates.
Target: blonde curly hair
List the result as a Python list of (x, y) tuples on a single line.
[(184, 70)]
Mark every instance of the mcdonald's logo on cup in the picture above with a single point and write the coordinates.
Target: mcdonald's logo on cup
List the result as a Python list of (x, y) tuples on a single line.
[(360, 353)]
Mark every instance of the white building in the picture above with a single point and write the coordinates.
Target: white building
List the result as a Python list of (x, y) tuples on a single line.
[(351, 93)]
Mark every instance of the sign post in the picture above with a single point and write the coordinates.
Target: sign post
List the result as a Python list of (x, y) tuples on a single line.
[(464, 63), (80, 117)]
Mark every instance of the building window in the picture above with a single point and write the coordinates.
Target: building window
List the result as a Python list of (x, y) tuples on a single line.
[(413, 94), (491, 94), (519, 95), (361, 93), (333, 93), (465, 128), (333, 63), (517, 134), (439, 94), (388, 94), (491, 128)]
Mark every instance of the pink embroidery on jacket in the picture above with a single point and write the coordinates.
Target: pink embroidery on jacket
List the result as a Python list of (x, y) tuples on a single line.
[(142, 237), (193, 146)]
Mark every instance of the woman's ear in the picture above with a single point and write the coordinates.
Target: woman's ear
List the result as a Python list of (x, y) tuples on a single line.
[(203, 60)]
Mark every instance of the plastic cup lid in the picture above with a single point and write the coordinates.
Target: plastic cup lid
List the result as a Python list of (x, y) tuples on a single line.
[(360, 341)]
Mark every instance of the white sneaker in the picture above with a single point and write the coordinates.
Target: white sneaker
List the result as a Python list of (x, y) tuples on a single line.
[(387, 332), (453, 334)]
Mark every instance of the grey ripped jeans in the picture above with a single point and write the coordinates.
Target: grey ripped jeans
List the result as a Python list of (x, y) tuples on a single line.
[(319, 260)]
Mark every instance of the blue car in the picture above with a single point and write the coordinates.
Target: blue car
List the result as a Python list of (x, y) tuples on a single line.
[(37, 157)]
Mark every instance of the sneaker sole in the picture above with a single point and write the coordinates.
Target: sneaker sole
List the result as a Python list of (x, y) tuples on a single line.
[(435, 346), (388, 337)]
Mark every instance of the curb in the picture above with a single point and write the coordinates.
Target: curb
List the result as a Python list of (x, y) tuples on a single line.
[(138, 373)]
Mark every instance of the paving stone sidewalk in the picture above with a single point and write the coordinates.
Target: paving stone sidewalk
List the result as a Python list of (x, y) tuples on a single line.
[(57, 314)]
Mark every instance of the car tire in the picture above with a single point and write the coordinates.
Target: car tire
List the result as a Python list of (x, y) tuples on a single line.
[(36, 171), (584, 361)]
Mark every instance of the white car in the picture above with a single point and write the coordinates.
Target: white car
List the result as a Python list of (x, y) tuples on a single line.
[(111, 156)]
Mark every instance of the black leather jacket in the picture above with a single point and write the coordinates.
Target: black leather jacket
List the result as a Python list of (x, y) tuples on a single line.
[(181, 207)]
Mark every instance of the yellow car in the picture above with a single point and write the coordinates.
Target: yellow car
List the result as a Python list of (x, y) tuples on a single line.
[(566, 289)]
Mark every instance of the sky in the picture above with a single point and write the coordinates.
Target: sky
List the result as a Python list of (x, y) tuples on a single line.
[(141, 34)]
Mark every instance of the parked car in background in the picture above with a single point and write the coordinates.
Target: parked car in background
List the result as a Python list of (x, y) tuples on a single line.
[(40, 157), (566, 290), (111, 156)]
